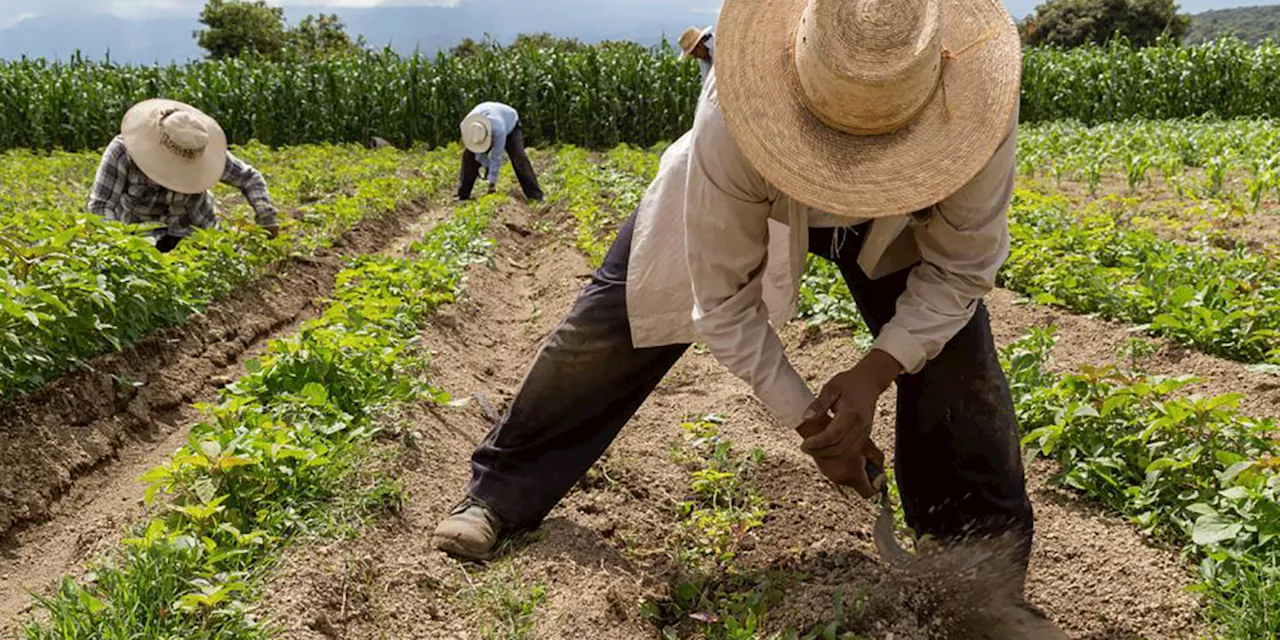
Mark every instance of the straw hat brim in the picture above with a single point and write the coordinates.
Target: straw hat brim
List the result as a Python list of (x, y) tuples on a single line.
[(478, 145), (699, 36), (142, 140), (911, 169)]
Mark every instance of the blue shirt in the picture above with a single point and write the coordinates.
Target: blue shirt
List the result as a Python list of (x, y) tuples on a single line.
[(710, 44), (502, 121)]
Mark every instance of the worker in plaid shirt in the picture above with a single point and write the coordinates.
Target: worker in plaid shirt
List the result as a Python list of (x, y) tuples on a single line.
[(164, 177)]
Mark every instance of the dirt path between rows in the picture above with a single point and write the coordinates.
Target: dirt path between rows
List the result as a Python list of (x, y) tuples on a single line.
[(605, 549), (73, 452)]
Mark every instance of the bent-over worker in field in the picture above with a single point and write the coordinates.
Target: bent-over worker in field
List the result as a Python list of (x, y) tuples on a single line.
[(161, 167), (699, 44), (489, 129), (878, 134)]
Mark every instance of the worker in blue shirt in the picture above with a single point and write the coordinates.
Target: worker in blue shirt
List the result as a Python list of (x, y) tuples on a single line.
[(699, 44), (490, 128)]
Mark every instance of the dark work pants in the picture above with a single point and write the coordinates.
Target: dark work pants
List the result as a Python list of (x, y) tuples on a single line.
[(519, 163), (167, 243), (958, 463)]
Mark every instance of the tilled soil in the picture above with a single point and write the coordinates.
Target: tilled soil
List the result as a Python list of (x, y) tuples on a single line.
[(606, 548), (71, 453)]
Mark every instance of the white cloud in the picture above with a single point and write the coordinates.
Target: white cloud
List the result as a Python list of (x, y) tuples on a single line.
[(7, 21)]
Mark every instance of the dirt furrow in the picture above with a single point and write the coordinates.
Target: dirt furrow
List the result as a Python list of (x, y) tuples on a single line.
[(607, 547), (71, 454)]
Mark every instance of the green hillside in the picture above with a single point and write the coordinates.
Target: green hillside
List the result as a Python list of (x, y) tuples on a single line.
[(1252, 24)]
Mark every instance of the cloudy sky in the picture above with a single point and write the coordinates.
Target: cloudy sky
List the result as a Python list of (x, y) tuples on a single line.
[(12, 11), (160, 30)]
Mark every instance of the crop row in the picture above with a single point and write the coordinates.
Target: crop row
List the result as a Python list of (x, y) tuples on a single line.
[(1235, 157), (595, 97), (1222, 302), (73, 286), (600, 195), (1189, 470), (276, 456)]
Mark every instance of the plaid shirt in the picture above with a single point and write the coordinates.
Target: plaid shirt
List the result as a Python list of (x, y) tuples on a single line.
[(122, 192)]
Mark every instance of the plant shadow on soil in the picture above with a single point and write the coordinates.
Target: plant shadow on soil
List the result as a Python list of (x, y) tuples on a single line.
[(602, 561)]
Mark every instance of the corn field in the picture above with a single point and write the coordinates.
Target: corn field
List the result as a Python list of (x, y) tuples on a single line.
[(597, 97), (1224, 78)]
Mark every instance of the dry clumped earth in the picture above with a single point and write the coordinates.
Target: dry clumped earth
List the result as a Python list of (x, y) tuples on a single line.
[(606, 550)]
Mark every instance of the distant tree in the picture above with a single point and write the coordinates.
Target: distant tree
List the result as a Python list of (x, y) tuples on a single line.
[(236, 28), (321, 36), (1071, 23), (469, 48)]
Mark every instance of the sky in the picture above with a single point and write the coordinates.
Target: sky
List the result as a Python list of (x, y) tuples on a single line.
[(13, 11), (151, 30)]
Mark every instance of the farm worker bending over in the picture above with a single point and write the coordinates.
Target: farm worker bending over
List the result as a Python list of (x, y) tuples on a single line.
[(489, 129), (885, 145), (698, 44), (161, 167)]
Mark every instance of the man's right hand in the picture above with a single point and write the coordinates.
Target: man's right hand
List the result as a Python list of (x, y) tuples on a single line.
[(851, 470)]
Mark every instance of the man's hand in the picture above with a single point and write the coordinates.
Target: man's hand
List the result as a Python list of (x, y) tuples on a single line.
[(841, 443), (273, 231)]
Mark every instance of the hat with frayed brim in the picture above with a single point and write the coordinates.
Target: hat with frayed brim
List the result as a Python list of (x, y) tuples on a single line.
[(691, 38), (176, 145), (477, 133), (868, 108)]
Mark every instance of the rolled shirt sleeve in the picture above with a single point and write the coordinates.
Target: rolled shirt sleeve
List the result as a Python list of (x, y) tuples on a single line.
[(250, 182), (727, 208), (962, 246)]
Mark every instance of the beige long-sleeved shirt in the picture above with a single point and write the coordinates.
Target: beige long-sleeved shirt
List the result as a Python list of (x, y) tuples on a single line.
[(745, 243)]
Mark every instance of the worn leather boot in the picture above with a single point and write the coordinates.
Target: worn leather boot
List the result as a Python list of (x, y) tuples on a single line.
[(471, 531)]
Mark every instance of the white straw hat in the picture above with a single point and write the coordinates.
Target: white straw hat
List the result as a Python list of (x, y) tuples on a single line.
[(477, 136), (868, 108), (691, 38), (175, 144)]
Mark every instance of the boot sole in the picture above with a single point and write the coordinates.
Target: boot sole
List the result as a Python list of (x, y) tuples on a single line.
[(454, 547)]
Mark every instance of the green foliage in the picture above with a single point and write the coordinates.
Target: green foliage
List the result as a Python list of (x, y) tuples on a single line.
[(74, 286), (595, 96), (1222, 79), (1186, 469), (1235, 159), (1225, 303), (1071, 23), (721, 508), (277, 448), (508, 604), (236, 28), (322, 35), (599, 196)]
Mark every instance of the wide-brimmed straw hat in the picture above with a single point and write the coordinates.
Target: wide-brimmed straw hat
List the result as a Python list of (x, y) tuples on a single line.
[(175, 144), (868, 108), (691, 38), (477, 136)]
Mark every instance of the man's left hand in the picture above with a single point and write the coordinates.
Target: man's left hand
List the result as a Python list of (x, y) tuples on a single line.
[(851, 396)]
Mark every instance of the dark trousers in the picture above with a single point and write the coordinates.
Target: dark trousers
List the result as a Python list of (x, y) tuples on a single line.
[(519, 162), (958, 462), (167, 243)]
